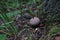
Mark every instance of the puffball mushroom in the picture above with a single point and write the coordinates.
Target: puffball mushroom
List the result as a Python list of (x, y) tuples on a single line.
[(34, 21)]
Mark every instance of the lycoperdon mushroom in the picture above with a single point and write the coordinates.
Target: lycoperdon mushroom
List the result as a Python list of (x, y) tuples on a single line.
[(34, 21)]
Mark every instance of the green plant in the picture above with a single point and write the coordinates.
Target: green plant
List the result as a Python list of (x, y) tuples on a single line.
[(45, 10)]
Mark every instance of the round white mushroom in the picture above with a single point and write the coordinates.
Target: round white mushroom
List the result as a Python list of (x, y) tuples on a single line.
[(34, 21)]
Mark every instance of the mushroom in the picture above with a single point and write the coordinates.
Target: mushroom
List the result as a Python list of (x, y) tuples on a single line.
[(34, 21)]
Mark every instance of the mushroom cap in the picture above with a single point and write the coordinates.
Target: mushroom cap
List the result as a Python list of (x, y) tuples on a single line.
[(34, 21)]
